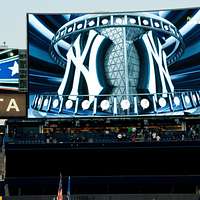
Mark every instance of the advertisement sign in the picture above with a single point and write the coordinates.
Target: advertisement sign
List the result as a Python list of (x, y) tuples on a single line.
[(12, 105), (9, 70)]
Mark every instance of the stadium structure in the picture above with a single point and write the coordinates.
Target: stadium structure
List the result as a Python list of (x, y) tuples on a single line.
[(102, 106)]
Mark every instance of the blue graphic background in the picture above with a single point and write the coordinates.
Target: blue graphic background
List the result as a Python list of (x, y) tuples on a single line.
[(9, 77)]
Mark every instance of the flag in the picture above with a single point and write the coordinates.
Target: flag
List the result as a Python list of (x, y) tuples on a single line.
[(60, 195), (68, 189)]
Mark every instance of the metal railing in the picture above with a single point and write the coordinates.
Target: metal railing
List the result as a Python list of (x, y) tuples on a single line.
[(112, 197)]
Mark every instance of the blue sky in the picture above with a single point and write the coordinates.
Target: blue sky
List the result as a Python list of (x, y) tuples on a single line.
[(13, 13)]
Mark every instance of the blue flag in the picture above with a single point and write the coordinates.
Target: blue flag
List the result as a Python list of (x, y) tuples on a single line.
[(68, 189)]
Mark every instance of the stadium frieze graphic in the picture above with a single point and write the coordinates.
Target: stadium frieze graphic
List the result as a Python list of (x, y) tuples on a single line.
[(114, 64), (13, 105)]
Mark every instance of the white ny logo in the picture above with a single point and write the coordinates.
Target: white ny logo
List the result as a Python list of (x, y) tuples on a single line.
[(90, 74), (157, 53)]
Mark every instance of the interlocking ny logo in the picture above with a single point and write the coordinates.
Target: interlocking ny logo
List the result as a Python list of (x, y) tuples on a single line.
[(157, 54), (154, 68), (85, 59)]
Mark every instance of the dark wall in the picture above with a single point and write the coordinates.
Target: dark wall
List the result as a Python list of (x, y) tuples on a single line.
[(107, 168), (175, 158)]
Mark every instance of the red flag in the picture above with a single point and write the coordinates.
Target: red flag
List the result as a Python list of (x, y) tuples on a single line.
[(60, 194)]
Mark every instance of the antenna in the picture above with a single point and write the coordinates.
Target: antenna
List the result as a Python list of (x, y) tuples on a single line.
[(4, 45)]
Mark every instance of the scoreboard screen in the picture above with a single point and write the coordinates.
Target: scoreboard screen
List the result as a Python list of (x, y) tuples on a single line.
[(114, 64)]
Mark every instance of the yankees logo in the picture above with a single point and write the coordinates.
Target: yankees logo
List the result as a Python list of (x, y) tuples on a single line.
[(84, 59), (154, 66)]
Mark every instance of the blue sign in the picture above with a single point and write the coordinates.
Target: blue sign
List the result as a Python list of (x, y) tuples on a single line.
[(9, 73)]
